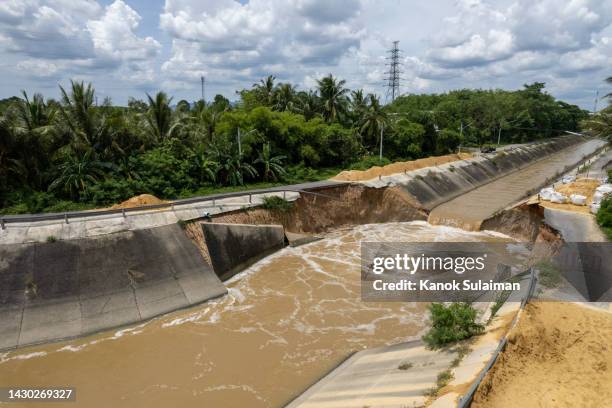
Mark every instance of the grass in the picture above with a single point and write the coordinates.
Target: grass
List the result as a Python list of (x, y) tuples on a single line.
[(548, 274), (405, 366), (51, 238), (444, 378), (462, 351), (276, 203)]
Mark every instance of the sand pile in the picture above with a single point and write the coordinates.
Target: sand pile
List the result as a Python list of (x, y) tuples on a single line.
[(560, 354), (139, 201), (398, 167), (583, 186)]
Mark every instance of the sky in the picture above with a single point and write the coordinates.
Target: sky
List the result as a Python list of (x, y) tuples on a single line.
[(131, 47)]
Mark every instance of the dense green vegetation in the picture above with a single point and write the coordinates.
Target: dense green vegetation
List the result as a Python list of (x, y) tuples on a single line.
[(71, 153), (451, 323), (604, 215)]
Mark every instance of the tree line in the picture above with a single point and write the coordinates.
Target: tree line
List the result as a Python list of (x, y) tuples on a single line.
[(71, 153)]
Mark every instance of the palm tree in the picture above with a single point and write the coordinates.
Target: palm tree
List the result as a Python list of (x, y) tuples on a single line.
[(308, 104), (333, 97), (204, 122), (75, 174), (34, 114), (34, 133), (600, 124), (272, 165), (373, 120), (283, 97), (159, 117), (359, 101), (232, 169), (265, 89), (207, 169), (86, 129)]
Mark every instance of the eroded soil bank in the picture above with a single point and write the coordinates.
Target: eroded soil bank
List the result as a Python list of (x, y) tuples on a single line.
[(559, 354), (329, 209)]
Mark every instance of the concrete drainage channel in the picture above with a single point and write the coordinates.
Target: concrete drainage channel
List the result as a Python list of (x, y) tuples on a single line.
[(59, 289), (64, 289)]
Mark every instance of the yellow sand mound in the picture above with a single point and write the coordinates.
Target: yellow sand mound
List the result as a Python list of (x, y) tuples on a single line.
[(398, 167), (584, 186), (559, 355), (138, 201)]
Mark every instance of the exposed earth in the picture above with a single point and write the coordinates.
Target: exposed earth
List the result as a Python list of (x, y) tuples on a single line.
[(559, 355)]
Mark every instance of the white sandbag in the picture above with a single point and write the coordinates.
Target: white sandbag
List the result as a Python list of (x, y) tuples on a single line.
[(545, 193), (597, 197), (604, 188), (558, 198), (568, 179), (594, 208), (578, 199)]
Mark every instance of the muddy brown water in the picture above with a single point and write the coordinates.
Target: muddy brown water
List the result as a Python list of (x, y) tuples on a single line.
[(286, 322)]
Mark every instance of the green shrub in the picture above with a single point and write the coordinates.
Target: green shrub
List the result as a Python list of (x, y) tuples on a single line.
[(369, 161), (604, 217), (451, 323), (548, 274), (276, 203)]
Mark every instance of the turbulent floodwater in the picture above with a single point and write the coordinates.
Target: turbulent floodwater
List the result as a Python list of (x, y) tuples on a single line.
[(286, 322)]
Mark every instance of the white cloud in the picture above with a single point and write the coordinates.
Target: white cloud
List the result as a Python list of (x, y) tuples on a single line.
[(60, 39), (113, 35), (447, 44), (240, 42)]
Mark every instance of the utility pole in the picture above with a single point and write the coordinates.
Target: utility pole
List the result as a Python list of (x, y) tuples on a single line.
[(596, 101), (382, 129), (203, 81), (239, 145), (393, 74)]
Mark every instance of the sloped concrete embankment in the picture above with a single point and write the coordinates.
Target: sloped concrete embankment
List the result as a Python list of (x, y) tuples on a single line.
[(434, 186), (56, 290), (232, 248)]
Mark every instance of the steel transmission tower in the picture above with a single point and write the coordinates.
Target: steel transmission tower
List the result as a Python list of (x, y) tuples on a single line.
[(393, 74)]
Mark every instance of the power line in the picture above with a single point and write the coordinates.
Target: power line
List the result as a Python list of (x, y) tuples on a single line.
[(393, 77)]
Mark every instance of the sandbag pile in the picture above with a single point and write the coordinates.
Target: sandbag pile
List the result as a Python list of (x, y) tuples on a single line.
[(546, 193), (558, 198), (578, 199), (568, 179)]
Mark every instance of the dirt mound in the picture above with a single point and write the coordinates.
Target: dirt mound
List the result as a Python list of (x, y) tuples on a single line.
[(583, 186), (139, 201), (560, 354), (398, 167)]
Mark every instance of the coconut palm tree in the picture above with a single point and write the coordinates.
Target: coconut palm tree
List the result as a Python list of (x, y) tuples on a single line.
[(34, 134), (272, 165), (84, 126), (333, 97), (373, 120), (232, 169), (308, 104), (284, 96), (600, 124), (203, 122), (265, 90), (207, 169), (77, 173), (159, 117)]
